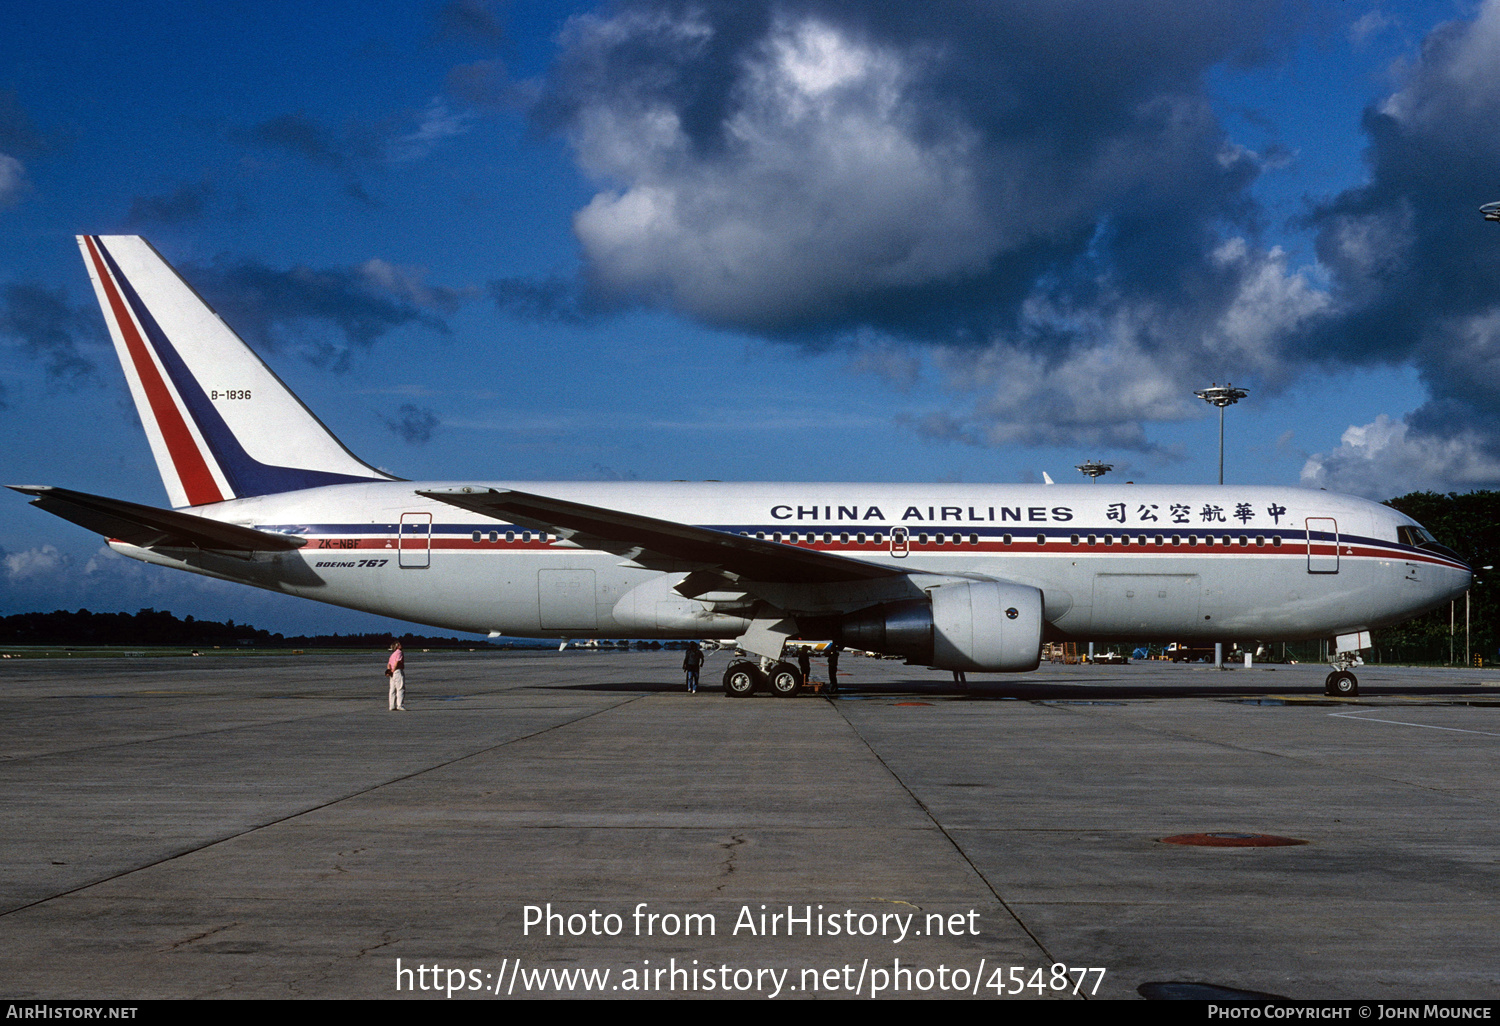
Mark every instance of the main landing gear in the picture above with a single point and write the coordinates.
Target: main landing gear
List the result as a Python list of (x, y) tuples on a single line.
[(744, 678)]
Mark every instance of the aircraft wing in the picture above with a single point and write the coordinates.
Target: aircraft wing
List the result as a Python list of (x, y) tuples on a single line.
[(150, 527), (652, 542)]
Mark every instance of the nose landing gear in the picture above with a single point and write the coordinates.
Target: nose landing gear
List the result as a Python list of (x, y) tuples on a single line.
[(1342, 684)]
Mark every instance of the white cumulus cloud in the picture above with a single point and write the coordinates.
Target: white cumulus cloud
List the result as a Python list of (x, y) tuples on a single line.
[(1385, 457)]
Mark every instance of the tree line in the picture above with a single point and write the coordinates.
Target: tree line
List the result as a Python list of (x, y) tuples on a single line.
[(1469, 524), (153, 627)]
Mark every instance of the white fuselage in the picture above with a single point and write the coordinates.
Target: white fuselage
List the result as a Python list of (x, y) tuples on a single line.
[(1113, 562)]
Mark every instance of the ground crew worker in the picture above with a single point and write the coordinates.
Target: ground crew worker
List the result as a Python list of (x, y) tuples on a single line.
[(692, 661)]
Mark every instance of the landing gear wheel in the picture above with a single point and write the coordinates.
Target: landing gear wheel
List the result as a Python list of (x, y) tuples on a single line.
[(785, 680), (1342, 683), (741, 680)]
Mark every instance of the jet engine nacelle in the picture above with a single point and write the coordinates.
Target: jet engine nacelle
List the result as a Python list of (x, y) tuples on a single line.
[(976, 625)]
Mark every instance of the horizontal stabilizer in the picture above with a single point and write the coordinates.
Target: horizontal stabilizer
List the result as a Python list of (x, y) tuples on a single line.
[(640, 538), (150, 527)]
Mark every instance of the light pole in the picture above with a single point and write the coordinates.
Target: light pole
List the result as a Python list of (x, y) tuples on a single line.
[(1468, 650), (1221, 396), (1093, 470)]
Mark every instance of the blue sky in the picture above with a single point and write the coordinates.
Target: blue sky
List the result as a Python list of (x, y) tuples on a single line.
[(757, 241)]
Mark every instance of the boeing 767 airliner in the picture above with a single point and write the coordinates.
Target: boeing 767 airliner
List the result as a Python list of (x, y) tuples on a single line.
[(953, 576)]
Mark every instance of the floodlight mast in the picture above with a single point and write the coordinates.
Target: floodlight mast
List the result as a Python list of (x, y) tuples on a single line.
[(1221, 396), (1093, 469)]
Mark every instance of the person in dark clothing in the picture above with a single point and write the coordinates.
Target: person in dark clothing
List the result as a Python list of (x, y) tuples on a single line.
[(833, 669), (692, 662), (804, 663)]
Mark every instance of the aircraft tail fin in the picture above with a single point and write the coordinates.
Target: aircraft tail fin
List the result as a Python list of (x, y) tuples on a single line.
[(222, 425)]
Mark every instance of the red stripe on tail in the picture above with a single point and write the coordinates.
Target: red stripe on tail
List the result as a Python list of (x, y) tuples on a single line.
[(192, 470)]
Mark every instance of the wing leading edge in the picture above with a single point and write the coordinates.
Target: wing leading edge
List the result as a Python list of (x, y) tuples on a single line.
[(653, 542)]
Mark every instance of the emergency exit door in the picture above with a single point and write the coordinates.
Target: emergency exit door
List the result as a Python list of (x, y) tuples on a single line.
[(900, 541)]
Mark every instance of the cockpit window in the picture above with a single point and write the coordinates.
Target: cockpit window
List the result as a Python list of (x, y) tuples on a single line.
[(1419, 537), (1415, 535)]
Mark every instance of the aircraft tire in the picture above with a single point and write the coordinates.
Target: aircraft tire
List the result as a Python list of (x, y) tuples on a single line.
[(1343, 684), (741, 680), (786, 681)]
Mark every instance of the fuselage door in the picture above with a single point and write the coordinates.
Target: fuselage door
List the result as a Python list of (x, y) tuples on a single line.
[(414, 546), (900, 542), (1322, 545)]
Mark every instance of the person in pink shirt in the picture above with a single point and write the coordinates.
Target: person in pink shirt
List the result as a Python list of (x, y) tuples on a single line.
[(395, 668)]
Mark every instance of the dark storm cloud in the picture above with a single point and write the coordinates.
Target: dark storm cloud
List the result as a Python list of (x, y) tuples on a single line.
[(19, 135), (187, 203), (19, 138), (471, 20), (340, 150), (1416, 271), (271, 308), (1026, 193), (558, 300), (805, 167), (414, 424), (50, 330), (305, 137)]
